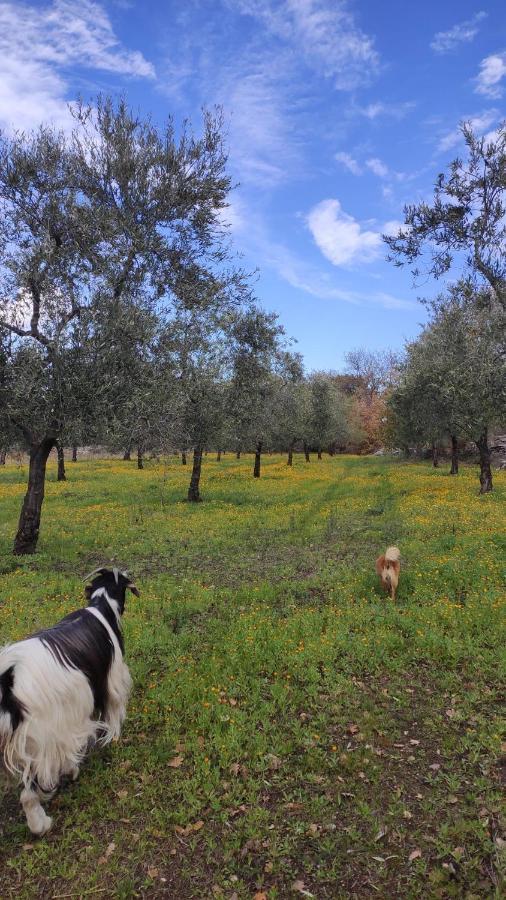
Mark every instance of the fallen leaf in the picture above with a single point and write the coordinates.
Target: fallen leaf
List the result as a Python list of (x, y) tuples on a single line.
[(236, 812), (268, 867), (415, 854), (152, 872), (300, 887), (353, 729), (435, 767), (381, 834), (122, 794), (451, 713), (176, 762), (413, 742), (274, 762), (378, 858), (453, 799), (406, 814), (28, 846), (458, 853), (110, 850)]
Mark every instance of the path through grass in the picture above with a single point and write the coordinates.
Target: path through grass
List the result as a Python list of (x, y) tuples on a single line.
[(290, 730)]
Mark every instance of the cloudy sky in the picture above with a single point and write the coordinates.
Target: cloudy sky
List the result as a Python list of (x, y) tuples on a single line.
[(338, 113)]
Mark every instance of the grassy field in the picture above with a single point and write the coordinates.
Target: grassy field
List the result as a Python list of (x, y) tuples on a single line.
[(291, 732)]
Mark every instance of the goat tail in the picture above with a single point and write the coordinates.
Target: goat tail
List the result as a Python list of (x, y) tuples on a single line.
[(392, 554)]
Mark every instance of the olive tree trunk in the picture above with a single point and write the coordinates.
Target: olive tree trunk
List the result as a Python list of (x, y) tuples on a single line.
[(3, 455), (258, 456), (485, 468), (74, 453), (435, 455), (140, 460), (127, 453), (183, 457), (193, 490), (319, 452), (238, 454), (455, 456), (27, 535), (306, 452), (61, 462), (218, 456)]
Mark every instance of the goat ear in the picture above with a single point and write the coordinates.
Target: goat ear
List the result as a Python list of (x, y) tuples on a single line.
[(135, 590), (87, 591)]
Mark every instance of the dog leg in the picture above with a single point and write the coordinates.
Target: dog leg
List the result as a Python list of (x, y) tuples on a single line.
[(36, 818)]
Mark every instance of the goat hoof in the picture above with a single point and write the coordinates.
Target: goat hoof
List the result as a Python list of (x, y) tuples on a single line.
[(43, 826)]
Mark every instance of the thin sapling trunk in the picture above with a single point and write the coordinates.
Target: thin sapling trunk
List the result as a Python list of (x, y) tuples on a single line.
[(61, 462), (258, 456), (193, 490), (455, 456), (485, 468)]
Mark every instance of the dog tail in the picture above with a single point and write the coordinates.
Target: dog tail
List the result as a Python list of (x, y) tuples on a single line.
[(392, 554)]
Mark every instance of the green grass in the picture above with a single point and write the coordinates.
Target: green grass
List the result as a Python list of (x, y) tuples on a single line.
[(321, 734)]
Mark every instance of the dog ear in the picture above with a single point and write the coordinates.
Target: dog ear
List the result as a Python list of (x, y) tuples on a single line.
[(135, 590)]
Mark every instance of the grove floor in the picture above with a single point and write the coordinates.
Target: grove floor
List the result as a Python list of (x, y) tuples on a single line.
[(291, 732)]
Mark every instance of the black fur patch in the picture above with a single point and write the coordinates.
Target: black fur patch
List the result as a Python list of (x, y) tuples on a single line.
[(8, 702), (105, 608), (80, 641)]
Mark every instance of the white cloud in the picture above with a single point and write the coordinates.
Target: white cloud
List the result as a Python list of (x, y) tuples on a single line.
[(304, 277), (322, 32), (492, 71), (463, 33), (263, 149), (377, 167), (479, 123), (39, 43), (393, 110), (341, 239), (349, 163)]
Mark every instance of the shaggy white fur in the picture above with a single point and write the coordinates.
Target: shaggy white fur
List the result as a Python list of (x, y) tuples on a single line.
[(58, 723)]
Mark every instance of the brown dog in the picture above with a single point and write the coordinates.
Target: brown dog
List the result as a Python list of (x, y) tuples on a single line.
[(388, 568)]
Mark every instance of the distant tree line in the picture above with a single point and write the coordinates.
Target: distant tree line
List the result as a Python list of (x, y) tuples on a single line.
[(126, 323)]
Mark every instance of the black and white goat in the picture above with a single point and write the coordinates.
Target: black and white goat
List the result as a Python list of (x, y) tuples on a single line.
[(63, 689)]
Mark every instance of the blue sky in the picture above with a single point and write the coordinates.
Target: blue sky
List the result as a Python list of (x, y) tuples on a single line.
[(338, 113)]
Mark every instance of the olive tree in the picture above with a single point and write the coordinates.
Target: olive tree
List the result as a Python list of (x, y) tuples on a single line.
[(454, 379), (464, 222), (114, 210)]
